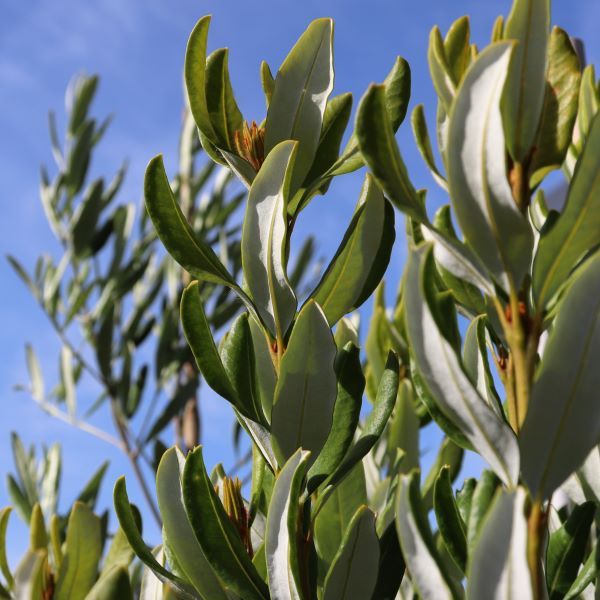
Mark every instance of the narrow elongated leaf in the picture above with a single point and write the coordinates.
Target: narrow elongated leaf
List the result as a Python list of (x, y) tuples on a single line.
[(578, 227), (4, 568), (561, 99), (563, 420), (441, 73), (195, 77), (418, 548), (265, 371), (334, 518), (480, 503), (177, 529), (84, 548), (199, 337), (481, 195), (452, 527), (38, 536), (302, 86), (216, 534), (30, 576), (457, 47), (281, 535), (346, 413), (353, 574), (375, 422), (35, 374), (264, 237), (443, 373), (566, 549), (237, 354), (113, 584), (586, 575), (378, 146), (448, 454), (306, 389), (362, 258), (128, 523), (223, 111), (498, 567), (523, 98), (175, 232), (421, 133), (68, 381)]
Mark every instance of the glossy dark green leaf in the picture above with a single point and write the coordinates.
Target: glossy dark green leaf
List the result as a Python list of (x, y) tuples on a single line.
[(216, 534), (282, 539), (362, 257), (561, 99), (426, 569), (353, 573), (178, 531), (421, 133), (334, 518), (378, 146), (566, 549), (485, 209), (498, 564), (577, 229), (306, 389), (523, 97), (128, 523), (79, 566), (175, 232), (440, 366), (302, 86), (86, 218), (586, 575), (237, 355), (562, 425), (391, 565), (223, 111), (449, 521), (375, 422), (195, 77), (481, 500), (199, 337), (113, 584), (264, 240), (346, 413)]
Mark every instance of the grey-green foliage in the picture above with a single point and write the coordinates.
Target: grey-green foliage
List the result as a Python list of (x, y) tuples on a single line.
[(333, 494)]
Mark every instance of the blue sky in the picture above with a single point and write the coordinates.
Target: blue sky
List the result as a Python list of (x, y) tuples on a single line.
[(137, 47)]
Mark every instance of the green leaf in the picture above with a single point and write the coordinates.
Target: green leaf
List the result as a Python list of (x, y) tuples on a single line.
[(26, 469), (4, 568), (450, 523), (441, 73), (113, 584), (281, 535), (267, 81), (86, 218), (353, 573), (265, 370), (375, 422), (448, 454), (237, 354), (174, 231), (378, 146), (223, 111), (199, 337), (421, 133), (120, 553), (306, 389), (418, 547), (195, 77), (457, 48), (403, 428), (38, 537), (90, 491), (577, 230), (586, 575), (391, 565), (264, 238), (178, 531), (441, 368), (561, 99), (566, 549), (302, 87), (334, 518), (216, 534), (486, 211), (481, 500), (81, 92), (78, 569), (498, 566), (563, 419), (30, 576), (346, 414), (127, 520), (68, 380), (523, 97), (35, 374), (362, 257)]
